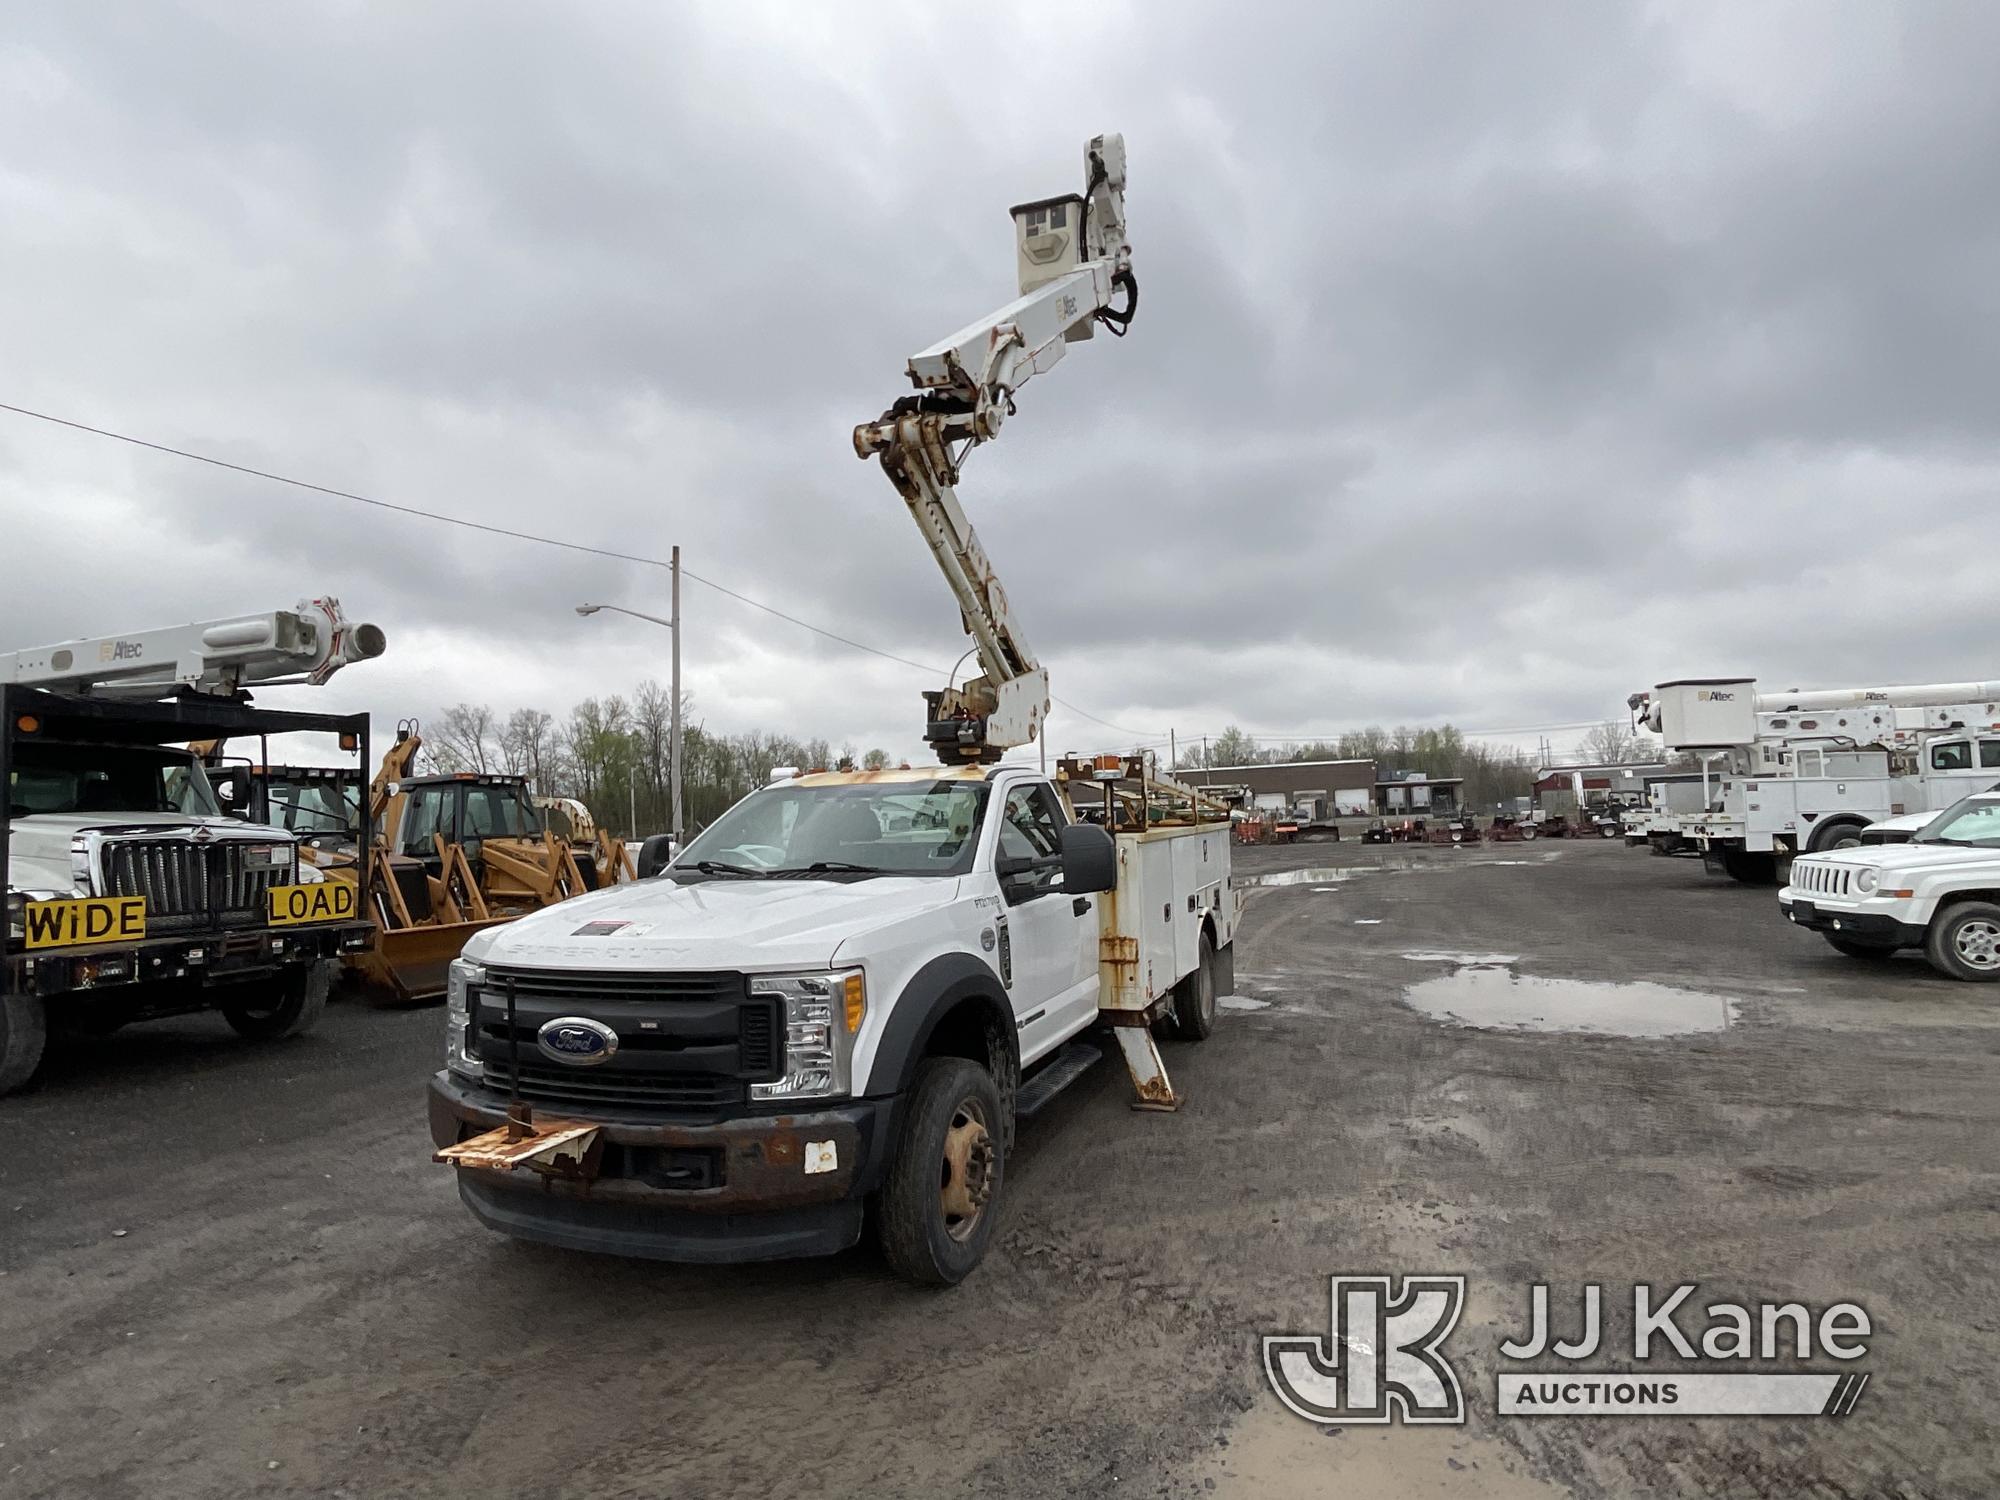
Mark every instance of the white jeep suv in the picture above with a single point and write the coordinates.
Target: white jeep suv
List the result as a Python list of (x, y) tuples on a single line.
[(1939, 892)]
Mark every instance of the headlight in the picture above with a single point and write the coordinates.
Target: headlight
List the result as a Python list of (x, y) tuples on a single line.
[(1865, 881), (822, 1013), (459, 1056)]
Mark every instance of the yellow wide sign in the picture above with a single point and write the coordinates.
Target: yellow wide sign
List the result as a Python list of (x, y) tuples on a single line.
[(72, 924)]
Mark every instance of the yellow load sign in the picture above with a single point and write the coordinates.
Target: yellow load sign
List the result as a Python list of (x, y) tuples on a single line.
[(328, 901), (71, 924)]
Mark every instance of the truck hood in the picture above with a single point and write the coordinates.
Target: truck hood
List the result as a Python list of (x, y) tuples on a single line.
[(758, 925), (1908, 858), (38, 844)]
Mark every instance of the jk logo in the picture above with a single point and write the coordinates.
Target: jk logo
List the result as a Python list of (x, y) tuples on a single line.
[(1382, 1359)]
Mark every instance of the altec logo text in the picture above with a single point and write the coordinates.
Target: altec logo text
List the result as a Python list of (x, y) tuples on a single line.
[(1384, 1359)]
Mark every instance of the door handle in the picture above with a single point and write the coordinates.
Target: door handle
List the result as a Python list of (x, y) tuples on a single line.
[(1081, 906)]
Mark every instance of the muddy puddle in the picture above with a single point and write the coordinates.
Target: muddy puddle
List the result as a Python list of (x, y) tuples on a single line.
[(1500, 999)]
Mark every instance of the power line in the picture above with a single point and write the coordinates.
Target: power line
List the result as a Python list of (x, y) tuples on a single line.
[(492, 530), (649, 562), (519, 536)]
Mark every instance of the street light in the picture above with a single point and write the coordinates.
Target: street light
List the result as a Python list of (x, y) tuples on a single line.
[(674, 625)]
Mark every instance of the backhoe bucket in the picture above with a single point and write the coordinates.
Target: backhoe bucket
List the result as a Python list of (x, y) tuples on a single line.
[(412, 962)]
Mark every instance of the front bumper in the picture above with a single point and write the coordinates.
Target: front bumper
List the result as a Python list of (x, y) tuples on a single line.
[(1864, 926), (723, 1191), (201, 957)]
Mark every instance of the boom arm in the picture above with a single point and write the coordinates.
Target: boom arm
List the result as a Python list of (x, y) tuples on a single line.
[(1074, 261), (308, 643)]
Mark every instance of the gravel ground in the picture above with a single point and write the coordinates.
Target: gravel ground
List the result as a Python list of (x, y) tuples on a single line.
[(231, 1270)]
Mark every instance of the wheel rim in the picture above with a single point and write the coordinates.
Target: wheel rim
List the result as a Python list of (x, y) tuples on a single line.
[(965, 1175), (1204, 990), (1977, 944)]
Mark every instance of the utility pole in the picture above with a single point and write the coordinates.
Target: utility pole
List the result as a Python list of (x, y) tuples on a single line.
[(632, 798), (677, 700), (1173, 760)]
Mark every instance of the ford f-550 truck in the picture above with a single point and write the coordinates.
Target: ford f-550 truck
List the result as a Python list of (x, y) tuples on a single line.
[(842, 993)]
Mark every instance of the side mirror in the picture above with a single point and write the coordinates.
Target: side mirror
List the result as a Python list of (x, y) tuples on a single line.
[(1089, 859), (654, 855)]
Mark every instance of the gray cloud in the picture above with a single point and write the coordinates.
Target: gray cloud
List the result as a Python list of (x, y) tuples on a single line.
[(1492, 362)]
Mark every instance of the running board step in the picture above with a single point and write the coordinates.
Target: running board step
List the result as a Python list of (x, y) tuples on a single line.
[(1068, 1065)]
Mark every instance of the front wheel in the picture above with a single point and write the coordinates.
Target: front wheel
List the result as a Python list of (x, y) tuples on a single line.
[(943, 1185), (1964, 941), (292, 1005), (24, 1033), (1750, 869)]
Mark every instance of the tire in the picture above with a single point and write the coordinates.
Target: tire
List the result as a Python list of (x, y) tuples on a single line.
[(1853, 949), (294, 1008), (1837, 836), (1750, 869), (949, 1156), (1458, 835), (1964, 941), (1527, 833), (1194, 998), (24, 1034), (1609, 831)]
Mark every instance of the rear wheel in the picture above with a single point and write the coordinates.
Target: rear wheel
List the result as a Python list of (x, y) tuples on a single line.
[(1194, 998), (292, 1005), (1527, 832), (943, 1187), (24, 1033), (1855, 949), (1964, 941)]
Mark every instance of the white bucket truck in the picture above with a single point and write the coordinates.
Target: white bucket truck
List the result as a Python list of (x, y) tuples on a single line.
[(847, 988), (1790, 772)]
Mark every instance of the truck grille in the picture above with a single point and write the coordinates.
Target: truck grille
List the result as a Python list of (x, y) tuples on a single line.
[(688, 1042), (193, 887), (1822, 880)]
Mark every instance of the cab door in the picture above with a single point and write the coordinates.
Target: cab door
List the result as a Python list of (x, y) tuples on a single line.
[(1050, 937)]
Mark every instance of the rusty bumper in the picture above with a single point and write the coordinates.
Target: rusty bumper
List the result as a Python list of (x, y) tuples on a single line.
[(733, 1190)]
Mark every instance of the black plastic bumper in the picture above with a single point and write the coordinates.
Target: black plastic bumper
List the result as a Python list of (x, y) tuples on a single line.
[(753, 1198), (193, 958), (1866, 927)]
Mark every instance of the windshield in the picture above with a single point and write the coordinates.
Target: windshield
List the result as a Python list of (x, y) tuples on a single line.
[(1968, 822), (49, 778), (488, 810), (316, 805), (879, 828)]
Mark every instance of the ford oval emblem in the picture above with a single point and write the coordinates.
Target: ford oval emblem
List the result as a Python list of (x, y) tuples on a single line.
[(577, 1040)]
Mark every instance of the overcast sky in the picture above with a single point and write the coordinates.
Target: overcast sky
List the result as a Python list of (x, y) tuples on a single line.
[(1493, 361)]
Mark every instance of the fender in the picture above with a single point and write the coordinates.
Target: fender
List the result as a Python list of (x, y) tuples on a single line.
[(932, 991)]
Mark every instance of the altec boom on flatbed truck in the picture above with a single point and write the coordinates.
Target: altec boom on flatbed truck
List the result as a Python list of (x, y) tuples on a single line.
[(130, 894), (1801, 772), (849, 987)]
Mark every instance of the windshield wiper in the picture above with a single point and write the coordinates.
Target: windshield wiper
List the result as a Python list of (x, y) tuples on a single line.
[(831, 867), (718, 867)]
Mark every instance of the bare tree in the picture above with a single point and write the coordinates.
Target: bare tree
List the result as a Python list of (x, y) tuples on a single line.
[(527, 746), (463, 740), (875, 760), (1614, 743)]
